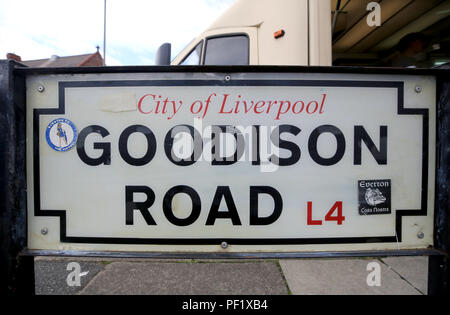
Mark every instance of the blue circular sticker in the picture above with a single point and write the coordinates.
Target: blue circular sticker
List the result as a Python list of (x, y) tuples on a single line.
[(61, 134)]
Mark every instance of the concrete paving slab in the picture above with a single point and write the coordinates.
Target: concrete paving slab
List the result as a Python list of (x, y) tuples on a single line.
[(51, 276), (341, 277), (203, 278), (413, 269)]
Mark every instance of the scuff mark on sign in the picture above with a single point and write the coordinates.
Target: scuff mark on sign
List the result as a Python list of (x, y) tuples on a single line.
[(117, 103)]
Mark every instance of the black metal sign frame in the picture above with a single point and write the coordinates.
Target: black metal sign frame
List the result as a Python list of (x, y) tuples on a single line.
[(16, 261)]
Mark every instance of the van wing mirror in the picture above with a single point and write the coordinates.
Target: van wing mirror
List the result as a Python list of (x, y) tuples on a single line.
[(163, 55)]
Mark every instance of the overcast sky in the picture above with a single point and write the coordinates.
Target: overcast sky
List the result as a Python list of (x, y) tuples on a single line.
[(135, 28)]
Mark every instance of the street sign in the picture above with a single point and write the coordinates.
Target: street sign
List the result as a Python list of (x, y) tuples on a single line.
[(248, 162)]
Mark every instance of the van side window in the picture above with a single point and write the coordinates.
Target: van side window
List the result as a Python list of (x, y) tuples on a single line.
[(227, 50), (193, 59)]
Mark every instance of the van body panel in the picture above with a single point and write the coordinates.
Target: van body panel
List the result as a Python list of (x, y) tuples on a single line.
[(301, 20)]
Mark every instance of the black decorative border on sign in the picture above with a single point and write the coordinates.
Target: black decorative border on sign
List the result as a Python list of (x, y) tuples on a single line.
[(64, 238)]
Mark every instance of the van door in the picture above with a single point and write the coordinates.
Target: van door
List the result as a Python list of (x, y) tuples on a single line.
[(230, 46)]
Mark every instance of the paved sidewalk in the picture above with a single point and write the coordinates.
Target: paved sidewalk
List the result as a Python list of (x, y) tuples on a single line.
[(398, 275)]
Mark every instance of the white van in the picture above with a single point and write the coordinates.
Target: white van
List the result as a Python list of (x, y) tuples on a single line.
[(319, 33)]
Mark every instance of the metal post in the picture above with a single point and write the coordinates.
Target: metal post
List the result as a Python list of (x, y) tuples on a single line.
[(16, 273), (104, 33), (439, 266), (336, 12)]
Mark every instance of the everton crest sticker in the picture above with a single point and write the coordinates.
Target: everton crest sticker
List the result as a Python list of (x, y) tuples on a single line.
[(374, 196), (61, 134)]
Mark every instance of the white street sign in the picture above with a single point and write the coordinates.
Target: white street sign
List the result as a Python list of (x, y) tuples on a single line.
[(263, 162)]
